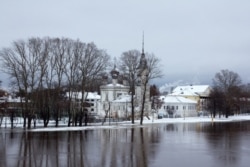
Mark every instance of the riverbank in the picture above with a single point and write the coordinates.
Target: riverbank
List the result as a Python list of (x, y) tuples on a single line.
[(63, 124)]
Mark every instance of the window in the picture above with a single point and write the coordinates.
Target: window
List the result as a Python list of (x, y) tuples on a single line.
[(118, 94)]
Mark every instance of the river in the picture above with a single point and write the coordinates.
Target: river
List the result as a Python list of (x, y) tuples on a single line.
[(156, 145)]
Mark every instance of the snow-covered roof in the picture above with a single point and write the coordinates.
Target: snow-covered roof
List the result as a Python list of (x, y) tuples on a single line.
[(10, 99), (93, 96), (191, 90), (115, 85), (90, 95), (178, 99), (123, 99)]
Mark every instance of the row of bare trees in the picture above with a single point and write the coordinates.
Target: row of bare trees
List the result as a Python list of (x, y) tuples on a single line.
[(42, 68), (228, 96)]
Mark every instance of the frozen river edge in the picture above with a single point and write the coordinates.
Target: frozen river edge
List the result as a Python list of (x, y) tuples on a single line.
[(146, 122), (128, 124)]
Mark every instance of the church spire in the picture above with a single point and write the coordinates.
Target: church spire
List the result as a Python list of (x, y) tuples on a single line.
[(143, 43), (143, 62)]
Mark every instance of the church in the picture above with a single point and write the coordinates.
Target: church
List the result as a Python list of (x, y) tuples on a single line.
[(116, 97)]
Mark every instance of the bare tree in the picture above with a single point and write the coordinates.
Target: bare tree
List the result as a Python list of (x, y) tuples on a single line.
[(40, 68), (92, 63), (42, 89), (226, 85), (72, 78), (14, 62), (139, 68), (149, 68), (129, 62), (58, 58), (35, 61)]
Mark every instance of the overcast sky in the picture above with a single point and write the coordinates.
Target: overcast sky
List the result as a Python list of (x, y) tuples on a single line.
[(193, 38)]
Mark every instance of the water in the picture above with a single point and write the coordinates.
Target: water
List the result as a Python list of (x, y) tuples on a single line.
[(192, 144)]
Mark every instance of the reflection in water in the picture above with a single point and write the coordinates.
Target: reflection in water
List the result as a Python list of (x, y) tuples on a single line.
[(193, 144), (225, 141), (109, 147)]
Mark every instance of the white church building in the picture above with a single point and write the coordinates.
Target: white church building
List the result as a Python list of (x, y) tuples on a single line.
[(116, 98)]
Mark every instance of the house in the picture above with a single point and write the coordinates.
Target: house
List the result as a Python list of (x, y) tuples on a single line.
[(92, 100), (198, 93), (178, 106), (122, 106)]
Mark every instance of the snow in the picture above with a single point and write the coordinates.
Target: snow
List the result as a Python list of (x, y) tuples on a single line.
[(78, 95), (115, 85), (123, 98), (128, 124), (178, 99), (191, 90)]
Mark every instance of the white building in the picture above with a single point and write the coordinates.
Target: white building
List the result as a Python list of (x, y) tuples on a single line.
[(92, 98), (185, 101), (122, 106), (143, 88), (116, 98), (198, 93), (178, 106), (110, 95)]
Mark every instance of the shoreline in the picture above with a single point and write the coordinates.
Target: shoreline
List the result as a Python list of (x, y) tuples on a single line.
[(128, 124)]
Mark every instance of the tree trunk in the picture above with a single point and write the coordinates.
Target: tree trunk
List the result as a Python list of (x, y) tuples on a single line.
[(132, 106), (143, 103), (29, 121)]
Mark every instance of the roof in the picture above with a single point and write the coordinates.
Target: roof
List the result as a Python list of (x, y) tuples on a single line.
[(115, 85), (178, 99), (90, 95), (123, 99), (10, 99), (191, 90)]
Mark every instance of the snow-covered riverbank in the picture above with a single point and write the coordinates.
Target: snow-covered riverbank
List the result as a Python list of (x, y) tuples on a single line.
[(125, 124)]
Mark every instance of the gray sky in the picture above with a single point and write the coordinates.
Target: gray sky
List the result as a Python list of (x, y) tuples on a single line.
[(193, 38)]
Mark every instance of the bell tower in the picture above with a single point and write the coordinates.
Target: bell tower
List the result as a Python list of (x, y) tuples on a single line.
[(142, 88)]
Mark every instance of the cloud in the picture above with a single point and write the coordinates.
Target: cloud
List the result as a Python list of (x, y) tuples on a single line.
[(192, 38)]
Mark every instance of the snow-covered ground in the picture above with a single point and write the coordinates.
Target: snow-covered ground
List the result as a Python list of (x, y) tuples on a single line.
[(125, 124)]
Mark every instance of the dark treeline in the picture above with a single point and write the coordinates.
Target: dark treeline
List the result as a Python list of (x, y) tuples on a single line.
[(228, 95), (41, 70)]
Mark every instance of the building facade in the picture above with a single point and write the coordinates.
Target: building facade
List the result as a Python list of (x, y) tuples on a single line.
[(116, 97), (178, 106)]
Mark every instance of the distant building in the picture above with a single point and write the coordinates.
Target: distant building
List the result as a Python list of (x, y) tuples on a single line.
[(110, 93), (178, 106), (185, 101), (116, 98), (92, 100), (197, 93), (122, 106), (143, 88)]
